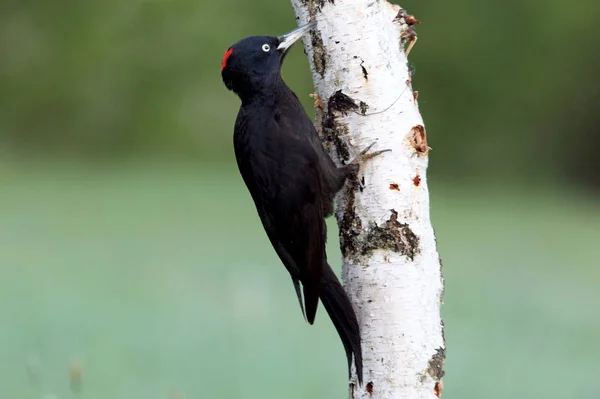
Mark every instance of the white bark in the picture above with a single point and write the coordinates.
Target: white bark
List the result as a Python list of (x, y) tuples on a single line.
[(391, 267)]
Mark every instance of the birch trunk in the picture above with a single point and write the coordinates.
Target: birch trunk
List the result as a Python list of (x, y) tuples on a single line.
[(391, 267)]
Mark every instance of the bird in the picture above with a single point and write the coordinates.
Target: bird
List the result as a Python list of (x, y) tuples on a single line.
[(291, 178)]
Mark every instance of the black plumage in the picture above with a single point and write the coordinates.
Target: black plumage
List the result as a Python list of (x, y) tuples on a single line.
[(290, 177)]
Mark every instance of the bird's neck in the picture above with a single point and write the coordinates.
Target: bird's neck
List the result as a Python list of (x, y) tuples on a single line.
[(265, 92)]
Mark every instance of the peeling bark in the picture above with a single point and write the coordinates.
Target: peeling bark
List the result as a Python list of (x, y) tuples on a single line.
[(391, 266)]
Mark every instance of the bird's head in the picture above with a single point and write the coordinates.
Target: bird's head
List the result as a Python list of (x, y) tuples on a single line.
[(255, 61)]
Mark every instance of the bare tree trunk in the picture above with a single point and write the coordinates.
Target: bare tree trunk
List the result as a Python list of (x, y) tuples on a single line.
[(390, 261)]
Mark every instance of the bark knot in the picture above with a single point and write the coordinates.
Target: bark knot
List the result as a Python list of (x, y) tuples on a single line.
[(418, 140), (408, 33)]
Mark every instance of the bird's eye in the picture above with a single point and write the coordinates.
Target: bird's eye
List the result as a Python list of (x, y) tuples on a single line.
[(266, 48)]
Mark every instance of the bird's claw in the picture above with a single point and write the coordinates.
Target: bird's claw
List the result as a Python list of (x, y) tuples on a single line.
[(365, 155)]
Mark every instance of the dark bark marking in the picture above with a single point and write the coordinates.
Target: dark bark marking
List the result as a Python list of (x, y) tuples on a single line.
[(417, 180), (363, 107), (332, 135), (320, 56), (436, 364), (349, 224), (341, 102), (317, 3), (334, 131), (364, 70), (393, 235)]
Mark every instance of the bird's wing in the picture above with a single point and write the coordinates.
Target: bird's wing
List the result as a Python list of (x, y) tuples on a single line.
[(293, 220), (281, 170)]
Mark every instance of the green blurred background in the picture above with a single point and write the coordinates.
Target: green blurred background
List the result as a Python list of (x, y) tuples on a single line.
[(131, 258)]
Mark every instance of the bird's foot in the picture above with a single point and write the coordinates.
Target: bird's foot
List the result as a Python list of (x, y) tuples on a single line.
[(365, 155), (354, 166)]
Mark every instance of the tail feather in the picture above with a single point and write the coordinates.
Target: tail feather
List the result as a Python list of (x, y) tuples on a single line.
[(338, 306), (311, 301), (299, 295)]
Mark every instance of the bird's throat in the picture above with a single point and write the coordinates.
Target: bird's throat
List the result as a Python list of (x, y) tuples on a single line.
[(262, 89)]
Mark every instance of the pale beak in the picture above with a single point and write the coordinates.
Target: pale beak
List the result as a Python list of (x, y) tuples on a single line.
[(288, 39)]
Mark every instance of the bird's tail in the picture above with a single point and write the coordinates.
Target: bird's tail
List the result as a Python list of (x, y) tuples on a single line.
[(338, 306)]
